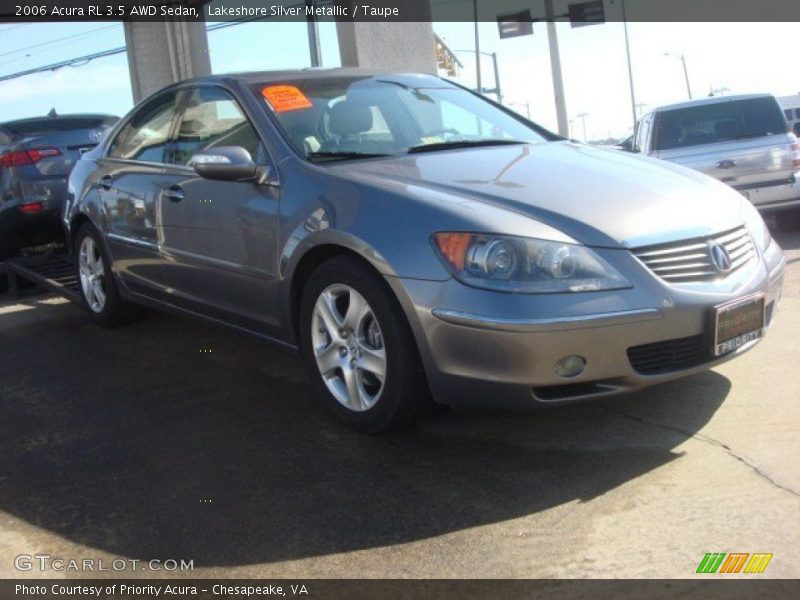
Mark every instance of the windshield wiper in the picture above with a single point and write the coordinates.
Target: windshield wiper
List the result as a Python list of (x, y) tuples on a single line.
[(455, 144), (343, 155)]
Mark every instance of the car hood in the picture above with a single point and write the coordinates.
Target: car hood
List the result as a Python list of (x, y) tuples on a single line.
[(598, 197)]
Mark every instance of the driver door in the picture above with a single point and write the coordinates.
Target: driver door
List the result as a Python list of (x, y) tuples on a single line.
[(219, 237)]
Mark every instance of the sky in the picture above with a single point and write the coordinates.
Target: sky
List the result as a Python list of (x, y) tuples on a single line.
[(737, 57)]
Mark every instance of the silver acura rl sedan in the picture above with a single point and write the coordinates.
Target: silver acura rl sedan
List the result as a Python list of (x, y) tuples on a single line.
[(418, 243)]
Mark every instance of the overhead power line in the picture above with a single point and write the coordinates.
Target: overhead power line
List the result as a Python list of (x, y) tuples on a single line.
[(80, 61), (57, 40)]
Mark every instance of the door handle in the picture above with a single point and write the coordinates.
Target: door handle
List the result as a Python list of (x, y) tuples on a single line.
[(174, 193), (105, 182), (726, 164)]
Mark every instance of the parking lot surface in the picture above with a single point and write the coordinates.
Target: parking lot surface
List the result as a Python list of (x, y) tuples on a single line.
[(174, 439)]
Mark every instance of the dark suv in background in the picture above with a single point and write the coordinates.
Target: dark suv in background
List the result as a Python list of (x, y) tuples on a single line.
[(36, 156)]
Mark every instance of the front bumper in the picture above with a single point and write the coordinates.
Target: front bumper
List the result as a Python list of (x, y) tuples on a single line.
[(482, 348)]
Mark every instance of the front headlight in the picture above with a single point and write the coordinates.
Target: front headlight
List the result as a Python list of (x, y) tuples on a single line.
[(525, 265), (756, 226)]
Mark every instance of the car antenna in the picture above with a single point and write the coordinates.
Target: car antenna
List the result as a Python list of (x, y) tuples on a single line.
[(52, 114)]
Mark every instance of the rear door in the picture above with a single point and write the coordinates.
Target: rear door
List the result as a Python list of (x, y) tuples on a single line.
[(219, 237), (742, 142)]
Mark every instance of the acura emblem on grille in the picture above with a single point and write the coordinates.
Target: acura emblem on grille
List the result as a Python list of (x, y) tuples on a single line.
[(719, 257)]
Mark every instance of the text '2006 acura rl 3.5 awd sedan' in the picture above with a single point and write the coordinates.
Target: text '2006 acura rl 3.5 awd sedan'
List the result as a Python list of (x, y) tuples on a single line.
[(416, 241)]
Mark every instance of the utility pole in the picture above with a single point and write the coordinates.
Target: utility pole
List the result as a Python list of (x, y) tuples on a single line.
[(497, 90), (582, 117), (682, 58), (630, 68), (497, 79), (686, 76), (313, 37), (477, 48), (555, 66)]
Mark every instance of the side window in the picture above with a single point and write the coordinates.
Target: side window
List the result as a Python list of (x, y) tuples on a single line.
[(146, 135), (213, 118)]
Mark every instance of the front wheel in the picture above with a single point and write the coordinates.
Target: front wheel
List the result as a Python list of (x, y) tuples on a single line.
[(359, 348)]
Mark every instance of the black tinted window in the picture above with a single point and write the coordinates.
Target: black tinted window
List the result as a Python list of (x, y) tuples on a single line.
[(212, 118), (146, 135), (718, 122)]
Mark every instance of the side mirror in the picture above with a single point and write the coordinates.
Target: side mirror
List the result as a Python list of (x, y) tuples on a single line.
[(627, 145), (228, 163)]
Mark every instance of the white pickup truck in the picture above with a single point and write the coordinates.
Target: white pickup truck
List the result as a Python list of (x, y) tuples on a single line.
[(743, 141)]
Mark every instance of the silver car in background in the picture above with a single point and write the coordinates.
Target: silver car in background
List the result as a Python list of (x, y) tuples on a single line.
[(744, 141), (415, 240)]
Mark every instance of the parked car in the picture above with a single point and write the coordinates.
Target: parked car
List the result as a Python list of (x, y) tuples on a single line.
[(743, 141), (36, 156), (416, 240)]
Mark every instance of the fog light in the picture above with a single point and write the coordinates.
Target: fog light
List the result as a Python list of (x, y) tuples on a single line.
[(570, 366)]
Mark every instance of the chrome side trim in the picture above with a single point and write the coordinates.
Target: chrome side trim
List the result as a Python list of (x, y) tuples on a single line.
[(132, 241), (209, 261), (457, 317)]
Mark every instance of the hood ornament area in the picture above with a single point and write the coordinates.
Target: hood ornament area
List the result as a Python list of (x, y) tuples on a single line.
[(719, 257)]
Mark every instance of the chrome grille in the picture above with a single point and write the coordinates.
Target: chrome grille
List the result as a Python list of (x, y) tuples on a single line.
[(690, 261)]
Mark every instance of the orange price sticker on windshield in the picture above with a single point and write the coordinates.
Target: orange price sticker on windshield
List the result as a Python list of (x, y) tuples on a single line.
[(285, 97)]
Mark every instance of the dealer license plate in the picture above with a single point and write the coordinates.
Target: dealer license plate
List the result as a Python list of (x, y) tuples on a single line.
[(738, 323)]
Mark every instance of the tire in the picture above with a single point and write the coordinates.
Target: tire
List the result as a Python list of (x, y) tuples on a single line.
[(99, 292), (788, 220), (357, 395)]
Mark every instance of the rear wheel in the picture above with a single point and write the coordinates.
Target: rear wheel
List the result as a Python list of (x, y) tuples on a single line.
[(359, 349), (99, 290)]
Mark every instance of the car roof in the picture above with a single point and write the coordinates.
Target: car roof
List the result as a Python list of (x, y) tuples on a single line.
[(311, 73), (60, 117), (711, 100)]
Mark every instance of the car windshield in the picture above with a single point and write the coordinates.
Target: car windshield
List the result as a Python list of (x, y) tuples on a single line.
[(345, 117), (718, 122)]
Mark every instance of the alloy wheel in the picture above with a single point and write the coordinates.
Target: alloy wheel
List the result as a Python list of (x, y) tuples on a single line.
[(92, 274), (348, 347)]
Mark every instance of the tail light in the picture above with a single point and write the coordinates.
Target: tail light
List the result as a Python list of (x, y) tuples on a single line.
[(17, 158), (32, 208), (794, 148)]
